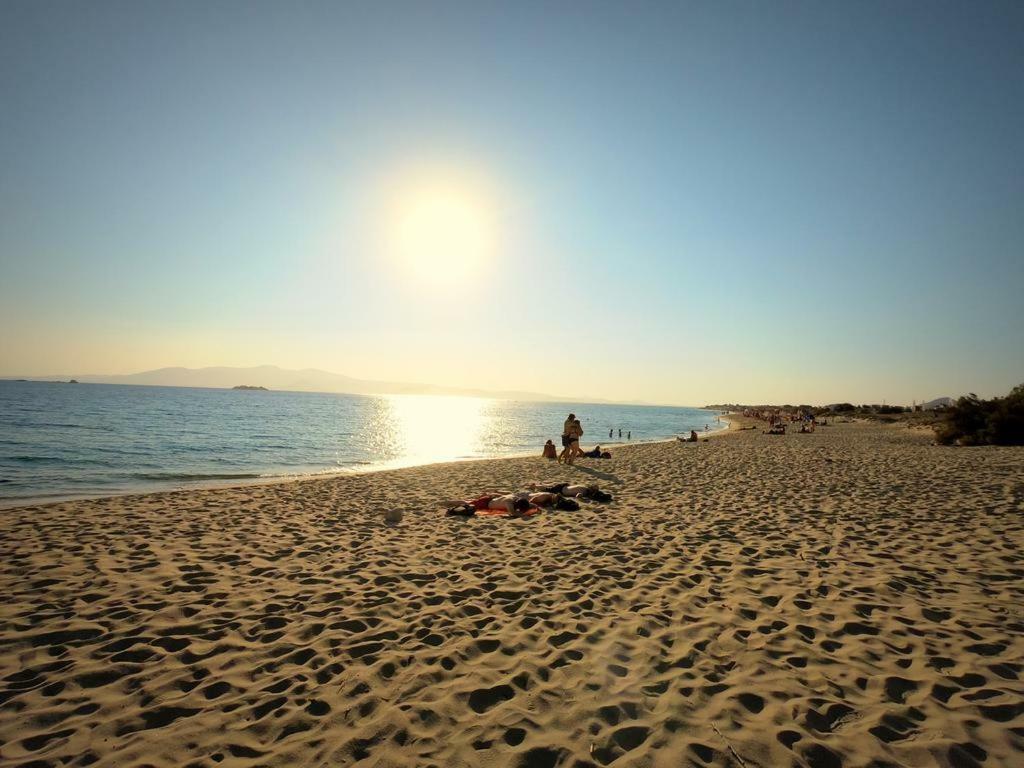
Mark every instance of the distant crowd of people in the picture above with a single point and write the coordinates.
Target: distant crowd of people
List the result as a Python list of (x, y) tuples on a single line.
[(778, 419)]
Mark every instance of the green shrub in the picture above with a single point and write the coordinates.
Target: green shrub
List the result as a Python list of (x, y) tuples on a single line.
[(973, 421)]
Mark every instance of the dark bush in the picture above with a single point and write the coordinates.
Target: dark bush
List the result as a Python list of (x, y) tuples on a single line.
[(973, 421), (844, 408), (891, 409)]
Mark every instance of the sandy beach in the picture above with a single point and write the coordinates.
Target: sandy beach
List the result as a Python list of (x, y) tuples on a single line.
[(852, 597)]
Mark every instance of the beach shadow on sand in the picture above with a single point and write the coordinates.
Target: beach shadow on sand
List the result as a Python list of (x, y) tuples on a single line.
[(598, 474)]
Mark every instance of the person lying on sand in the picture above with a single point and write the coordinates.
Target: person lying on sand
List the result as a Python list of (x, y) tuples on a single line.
[(512, 504), (597, 453), (523, 503), (508, 502), (548, 487), (556, 500), (590, 492)]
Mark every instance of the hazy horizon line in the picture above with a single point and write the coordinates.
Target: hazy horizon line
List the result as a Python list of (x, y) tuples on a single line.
[(446, 390), (443, 389)]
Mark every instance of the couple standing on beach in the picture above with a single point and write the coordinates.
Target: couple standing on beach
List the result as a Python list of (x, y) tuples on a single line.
[(572, 431)]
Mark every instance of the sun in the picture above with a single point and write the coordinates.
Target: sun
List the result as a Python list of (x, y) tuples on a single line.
[(443, 235)]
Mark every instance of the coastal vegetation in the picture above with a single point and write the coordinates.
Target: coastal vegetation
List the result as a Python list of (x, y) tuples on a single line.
[(973, 421)]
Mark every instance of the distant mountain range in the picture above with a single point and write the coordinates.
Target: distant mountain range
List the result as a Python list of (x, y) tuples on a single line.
[(305, 380)]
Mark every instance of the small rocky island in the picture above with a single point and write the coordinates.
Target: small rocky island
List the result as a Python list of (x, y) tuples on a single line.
[(250, 387)]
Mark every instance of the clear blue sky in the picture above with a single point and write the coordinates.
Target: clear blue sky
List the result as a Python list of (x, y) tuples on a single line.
[(810, 201)]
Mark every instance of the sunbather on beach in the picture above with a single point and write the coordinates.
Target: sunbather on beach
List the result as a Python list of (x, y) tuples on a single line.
[(512, 504), (556, 500), (509, 502), (543, 498), (548, 487), (591, 492)]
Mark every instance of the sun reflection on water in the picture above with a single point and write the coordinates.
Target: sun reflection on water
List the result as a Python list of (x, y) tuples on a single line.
[(430, 428)]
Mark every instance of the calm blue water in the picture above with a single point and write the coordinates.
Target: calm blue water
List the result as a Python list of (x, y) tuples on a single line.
[(71, 440)]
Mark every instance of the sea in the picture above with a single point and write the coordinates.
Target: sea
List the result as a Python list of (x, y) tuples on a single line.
[(63, 441)]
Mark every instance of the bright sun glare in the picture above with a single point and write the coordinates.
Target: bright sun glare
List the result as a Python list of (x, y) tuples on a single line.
[(428, 428), (443, 236)]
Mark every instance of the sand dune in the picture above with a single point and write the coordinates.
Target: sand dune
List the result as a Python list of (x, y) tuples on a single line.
[(848, 598)]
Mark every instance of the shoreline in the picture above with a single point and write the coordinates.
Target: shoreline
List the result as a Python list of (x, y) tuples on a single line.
[(370, 467)]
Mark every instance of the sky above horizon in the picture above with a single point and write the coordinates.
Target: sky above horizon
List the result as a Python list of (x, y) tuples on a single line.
[(678, 203)]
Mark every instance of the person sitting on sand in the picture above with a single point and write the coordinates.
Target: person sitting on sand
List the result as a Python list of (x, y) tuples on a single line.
[(693, 436), (549, 451)]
